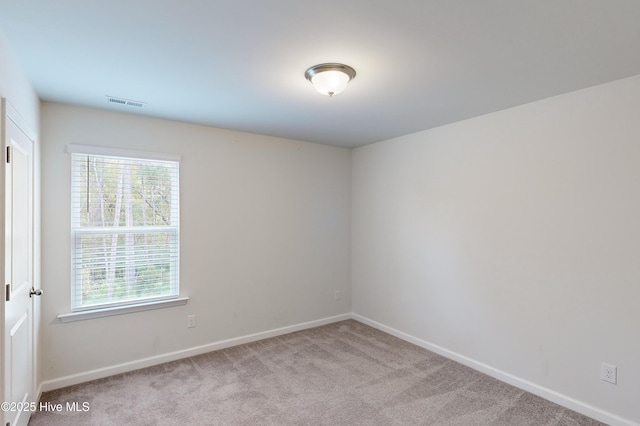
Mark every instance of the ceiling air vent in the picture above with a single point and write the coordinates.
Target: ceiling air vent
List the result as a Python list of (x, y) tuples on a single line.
[(126, 102)]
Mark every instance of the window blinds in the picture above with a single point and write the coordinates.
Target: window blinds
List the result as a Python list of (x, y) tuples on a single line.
[(125, 230)]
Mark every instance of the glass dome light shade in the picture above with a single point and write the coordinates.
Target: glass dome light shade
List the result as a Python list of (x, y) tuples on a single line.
[(330, 82)]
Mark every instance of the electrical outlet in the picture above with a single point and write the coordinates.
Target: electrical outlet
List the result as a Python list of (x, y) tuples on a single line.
[(337, 295), (191, 321), (609, 373)]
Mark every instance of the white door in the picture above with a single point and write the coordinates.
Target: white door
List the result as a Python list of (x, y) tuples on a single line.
[(19, 368)]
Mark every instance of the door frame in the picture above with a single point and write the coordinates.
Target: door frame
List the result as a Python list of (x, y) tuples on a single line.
[(7, 112)]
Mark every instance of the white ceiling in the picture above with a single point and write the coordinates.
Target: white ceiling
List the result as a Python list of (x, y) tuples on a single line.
[(239, 64)]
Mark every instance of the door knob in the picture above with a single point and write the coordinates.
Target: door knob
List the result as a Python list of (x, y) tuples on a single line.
[(37, 292)]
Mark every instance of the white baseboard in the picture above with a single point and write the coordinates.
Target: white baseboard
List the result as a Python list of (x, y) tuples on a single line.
[(100, 373), (551, 395)]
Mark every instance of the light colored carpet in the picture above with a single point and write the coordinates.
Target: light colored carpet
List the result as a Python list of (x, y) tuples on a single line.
[(345, 373)]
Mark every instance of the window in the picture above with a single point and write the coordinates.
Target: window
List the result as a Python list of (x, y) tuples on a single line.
[(125, 228)]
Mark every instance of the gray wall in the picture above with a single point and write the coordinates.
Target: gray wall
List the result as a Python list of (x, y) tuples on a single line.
[(512, 240), (265, 226)]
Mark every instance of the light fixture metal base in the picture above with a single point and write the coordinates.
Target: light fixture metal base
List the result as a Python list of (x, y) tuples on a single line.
[(330, 66)]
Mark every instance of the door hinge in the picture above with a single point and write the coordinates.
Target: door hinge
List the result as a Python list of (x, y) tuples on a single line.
[(7, 293), (8, 154)]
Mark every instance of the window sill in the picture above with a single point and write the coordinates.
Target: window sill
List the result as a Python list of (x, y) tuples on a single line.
[(119, 310)]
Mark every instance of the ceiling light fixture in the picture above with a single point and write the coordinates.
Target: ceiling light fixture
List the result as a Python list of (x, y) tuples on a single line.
[(330, 79)]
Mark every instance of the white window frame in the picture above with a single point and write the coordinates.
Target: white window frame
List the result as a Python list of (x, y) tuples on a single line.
[(141, 304)]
